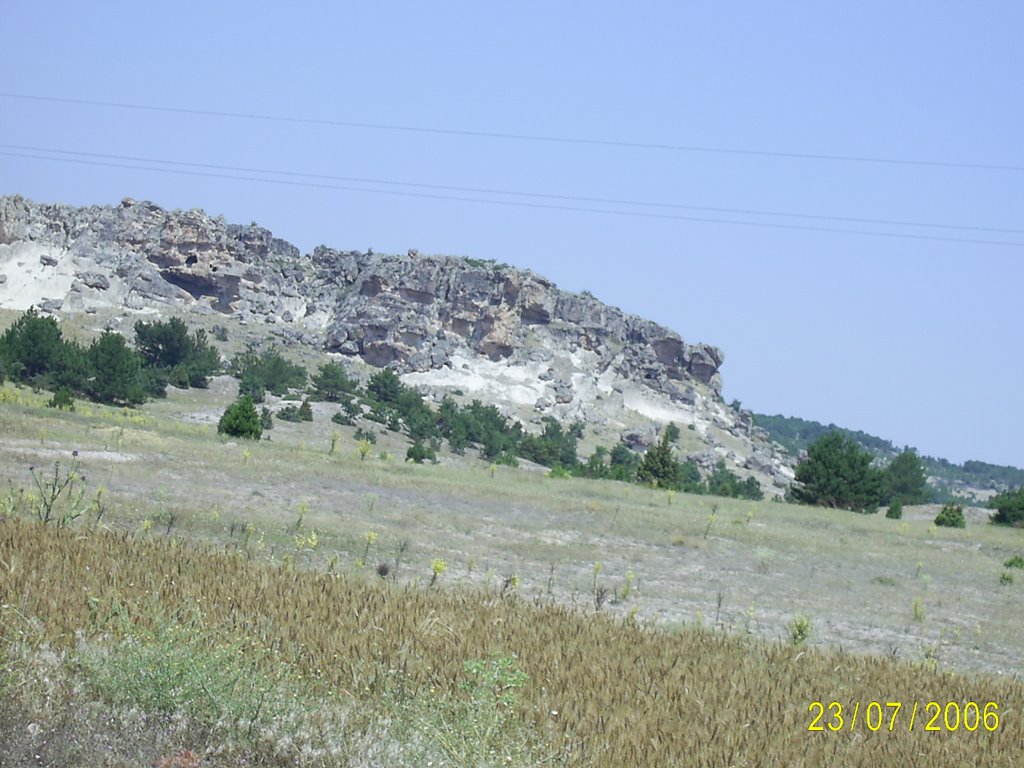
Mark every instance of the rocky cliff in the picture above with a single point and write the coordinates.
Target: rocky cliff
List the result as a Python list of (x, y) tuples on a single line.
[(442, 321)]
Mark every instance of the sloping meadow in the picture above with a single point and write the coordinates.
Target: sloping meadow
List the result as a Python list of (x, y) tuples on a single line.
[(597, 691)]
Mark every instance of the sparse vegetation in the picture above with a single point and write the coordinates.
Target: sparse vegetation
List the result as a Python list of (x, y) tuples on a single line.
[(340, 691)]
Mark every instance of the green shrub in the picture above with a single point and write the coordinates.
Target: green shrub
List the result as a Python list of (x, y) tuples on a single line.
[(241, 420), (266, 419), (895, 510), (62, 400), (1006, 578), (1014, 562), (184, 360), (174, 669), (332, 382), (342, 418), (305, 411), (951, 516), (799, 629), (838, 473), (418, 452), (1009, 507), (507, 459), (252, 386), (289, 413), (269, 367), (367, 435)]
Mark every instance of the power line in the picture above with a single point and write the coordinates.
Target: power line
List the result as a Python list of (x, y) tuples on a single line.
[(518, 136), (516, 193), (518, 204)]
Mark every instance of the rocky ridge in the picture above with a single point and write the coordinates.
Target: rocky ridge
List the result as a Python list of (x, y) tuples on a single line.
[(443, 322)]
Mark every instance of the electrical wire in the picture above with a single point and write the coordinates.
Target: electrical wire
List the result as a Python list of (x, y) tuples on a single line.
[(517, 136), (515, 193), (519, 204)]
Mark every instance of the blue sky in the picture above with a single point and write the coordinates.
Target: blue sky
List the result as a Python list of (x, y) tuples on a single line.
[(916, 340)]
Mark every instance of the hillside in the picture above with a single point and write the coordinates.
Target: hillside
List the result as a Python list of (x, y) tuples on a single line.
[(461, 327), (334, 600), (972, 478)]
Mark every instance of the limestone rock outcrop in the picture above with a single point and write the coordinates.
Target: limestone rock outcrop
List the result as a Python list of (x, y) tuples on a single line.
[(506, 335), (410, 311)]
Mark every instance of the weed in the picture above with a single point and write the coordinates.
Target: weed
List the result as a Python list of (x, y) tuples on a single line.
[(509, 584), (370, 538), (1014, 562), (711, 520), (437, 567), (918, 610), (303, 509), (364, 449), (627, 586), (1006, 578), (58, 490), (799, 629)]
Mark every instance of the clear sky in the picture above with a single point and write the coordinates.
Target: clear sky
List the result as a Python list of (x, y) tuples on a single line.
[(916, 340)]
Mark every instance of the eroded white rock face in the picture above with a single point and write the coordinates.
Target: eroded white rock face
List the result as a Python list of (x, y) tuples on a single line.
[(506, 336)]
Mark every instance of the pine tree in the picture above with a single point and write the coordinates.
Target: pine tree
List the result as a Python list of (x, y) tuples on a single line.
[(659, 467), (240, 419), (838, 473), (904, 479), (117, 371)]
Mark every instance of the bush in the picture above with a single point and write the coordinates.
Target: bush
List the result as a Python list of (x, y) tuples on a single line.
[(1014, 562), (799, 629), (62, 400), (659, 467), (332, 382), (252, 386), (342, 418), (951, 516), (289, 413), (418, 452), (1009, 507), (895, 510), (266, 419), (173, 669), (274, 373), (554, 447), (186, 361), (241, 420), (33, 345), (366, 434), (305, 411)]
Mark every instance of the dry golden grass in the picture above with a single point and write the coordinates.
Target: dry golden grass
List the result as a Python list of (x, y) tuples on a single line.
[(603, 692)]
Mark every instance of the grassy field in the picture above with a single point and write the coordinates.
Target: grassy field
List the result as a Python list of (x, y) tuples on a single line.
[(659, 627)]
